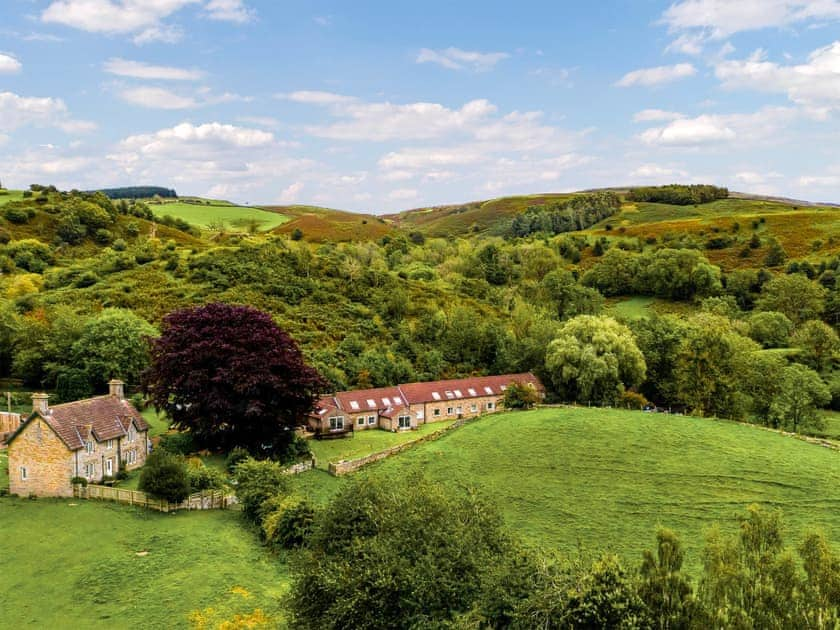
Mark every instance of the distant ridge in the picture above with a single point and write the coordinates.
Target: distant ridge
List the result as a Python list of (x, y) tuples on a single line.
[(138, 192)]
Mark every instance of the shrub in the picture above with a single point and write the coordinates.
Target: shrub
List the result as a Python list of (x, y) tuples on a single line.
[(79, 481), (178, 443), (237, 455), (288, 524), (297, 234), (519, 396), (257, 481), (165, 476), (103, 237), (16, 214), (202, 477), (632, 400)]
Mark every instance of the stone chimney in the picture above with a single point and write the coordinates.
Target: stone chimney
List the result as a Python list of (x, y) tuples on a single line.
[(40, 403), (116, 388)]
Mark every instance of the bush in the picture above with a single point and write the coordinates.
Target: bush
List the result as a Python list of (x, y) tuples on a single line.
[(202, 477), (519, 396), (178, 443), (79, 481), (632, 400), (257, 481), (288, 524), (237, 455), (16, 214), (165, 476), (103, 236)]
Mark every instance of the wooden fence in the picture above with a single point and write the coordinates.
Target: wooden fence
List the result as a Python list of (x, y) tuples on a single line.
[(209, 500)]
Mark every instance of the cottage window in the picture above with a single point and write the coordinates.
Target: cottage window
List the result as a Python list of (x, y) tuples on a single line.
[(450, 411), (458, 410), (131, 434), (337, 423), (489, 405), (371, 419), (404, 422), (132, 457), (89, 447), (109, 444), (435, 412), (360, 421), (23, 474), (90, 470)]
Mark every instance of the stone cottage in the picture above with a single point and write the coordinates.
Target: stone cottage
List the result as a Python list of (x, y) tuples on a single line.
[(92, 438), (406, 406)]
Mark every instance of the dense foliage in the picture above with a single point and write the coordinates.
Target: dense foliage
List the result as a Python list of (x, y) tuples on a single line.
[(139, 192), (678, 194), (165, 476), (232, 377), (577, 213)]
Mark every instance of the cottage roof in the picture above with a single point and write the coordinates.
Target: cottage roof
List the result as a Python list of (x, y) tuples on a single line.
[(464, 388), (369, 399), (102, 417)]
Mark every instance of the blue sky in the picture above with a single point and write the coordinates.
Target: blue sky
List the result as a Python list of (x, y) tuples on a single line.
[(379, 106)]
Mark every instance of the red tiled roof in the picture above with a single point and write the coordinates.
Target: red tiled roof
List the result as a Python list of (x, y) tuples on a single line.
[(369, 399), (464, 388), (106, 417)]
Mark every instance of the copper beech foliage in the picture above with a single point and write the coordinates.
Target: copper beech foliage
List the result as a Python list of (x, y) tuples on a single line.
[(232, 377)]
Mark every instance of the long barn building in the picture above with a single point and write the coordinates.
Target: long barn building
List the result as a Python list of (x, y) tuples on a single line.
[(405, 407)]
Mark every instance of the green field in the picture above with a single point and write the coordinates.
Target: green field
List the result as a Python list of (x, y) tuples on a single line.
[(366, 442), (606, 478), (75, 564), (10, 195), (206, 215)]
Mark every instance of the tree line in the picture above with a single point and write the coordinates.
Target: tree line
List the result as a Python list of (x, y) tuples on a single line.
[(577, 213), (678, 194)]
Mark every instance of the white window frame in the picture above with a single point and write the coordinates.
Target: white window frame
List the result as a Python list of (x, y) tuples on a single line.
[(490, 405), (24, 474), (436, 412), (404, 419), (109, 467), (90, 469), (371, 420), (473, 407), (336, 423), (131, 457), (450, 411), (109, 444), (132, 434), (360, 421), (89, 447)]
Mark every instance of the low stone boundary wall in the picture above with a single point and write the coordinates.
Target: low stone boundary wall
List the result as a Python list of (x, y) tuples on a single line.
[(296, 469), (338, 469), (210, 500)]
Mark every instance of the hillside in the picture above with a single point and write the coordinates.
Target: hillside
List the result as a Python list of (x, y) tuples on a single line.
[(213, 214), (601, 478), (325, 224)]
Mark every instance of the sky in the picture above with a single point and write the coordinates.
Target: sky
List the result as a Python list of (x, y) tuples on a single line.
[(382, 106)]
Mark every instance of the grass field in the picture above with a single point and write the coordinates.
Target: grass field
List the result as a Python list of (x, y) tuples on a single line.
[(365, 443), (88, 564), (10, 195), (234, 217), (607, 478)]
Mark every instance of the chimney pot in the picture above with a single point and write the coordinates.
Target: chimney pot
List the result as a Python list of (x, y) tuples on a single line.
[(40, 403), (116, 388)]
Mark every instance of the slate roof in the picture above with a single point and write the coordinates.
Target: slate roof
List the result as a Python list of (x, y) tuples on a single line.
[(103, 417)]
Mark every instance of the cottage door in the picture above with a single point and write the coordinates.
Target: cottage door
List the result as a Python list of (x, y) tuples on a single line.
[(109, 467)]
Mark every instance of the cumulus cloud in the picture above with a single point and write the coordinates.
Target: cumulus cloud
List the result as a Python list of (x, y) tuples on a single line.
[(457, 59), (656, 172), (814, 84), (9, 65), (189, 136), (229, 11), (657, 75), (17, 111), (718, 129), (142, 70), (655, 115), (291, 193)]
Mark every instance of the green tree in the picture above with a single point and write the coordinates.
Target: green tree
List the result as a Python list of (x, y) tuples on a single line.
[(801, 393), (663, 587), (818, 344), (770, 328), (794, 295), (256, 482), (520, 396), (659, 338), (367, 566), (114, 344), (165, 476), (594, 359)]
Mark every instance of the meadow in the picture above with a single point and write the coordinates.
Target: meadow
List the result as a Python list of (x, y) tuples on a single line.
[(86, 564), (595, 479), (206, 214)]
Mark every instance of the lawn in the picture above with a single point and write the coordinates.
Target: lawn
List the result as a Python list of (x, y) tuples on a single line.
[(365, 443), (158, 423), (87, 564), (597, 479), (237, 218)]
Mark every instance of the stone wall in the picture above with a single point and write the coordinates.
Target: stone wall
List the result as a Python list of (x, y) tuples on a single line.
[(9, 423), (47, 460), (345, 467)]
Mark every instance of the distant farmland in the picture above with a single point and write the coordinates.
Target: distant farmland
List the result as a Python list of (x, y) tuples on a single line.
[(208, 214)]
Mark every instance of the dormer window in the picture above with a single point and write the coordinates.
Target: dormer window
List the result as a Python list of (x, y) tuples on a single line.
[(131, 434), (89, 447)]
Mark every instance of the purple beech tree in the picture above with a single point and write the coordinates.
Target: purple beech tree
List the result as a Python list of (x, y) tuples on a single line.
[(232, 377)]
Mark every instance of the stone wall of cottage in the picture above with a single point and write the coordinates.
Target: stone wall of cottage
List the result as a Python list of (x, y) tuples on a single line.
[(138, 447), (364, 421), (469, 407), (47, 460), (9, 423)]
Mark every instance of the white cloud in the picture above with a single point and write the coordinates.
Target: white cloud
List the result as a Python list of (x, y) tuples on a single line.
[(815, 84), (142, 70), (187, 136), (9, 65), (687, 44), (457, 59), (819, 181), (403, 194), (291, 193), (657, 172), (157, 98), (18, 111), (316, 97), (164, 33), (657, 75), (721, 18), (655, 115), (717, 129), (754, 178), (229, 11)]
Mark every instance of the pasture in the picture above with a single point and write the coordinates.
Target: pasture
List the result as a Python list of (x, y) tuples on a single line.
[(10, 195), (211, 214), (87, 564), (605, 479)]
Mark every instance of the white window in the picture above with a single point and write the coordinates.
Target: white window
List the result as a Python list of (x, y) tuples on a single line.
[(360, 421), (109, 444), (435, 395), (336, 423), (473, 407), (471, 391), (131, 434), (371, 419), (450, 411), (458, 410), (488, 390), (404, 422), (132, 457), (23, 474), (371, 403), (89, 446), (489, 405), (435, 412), (109, 466), (386, 402), (90, 470), (354, 405), (458, 393)]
